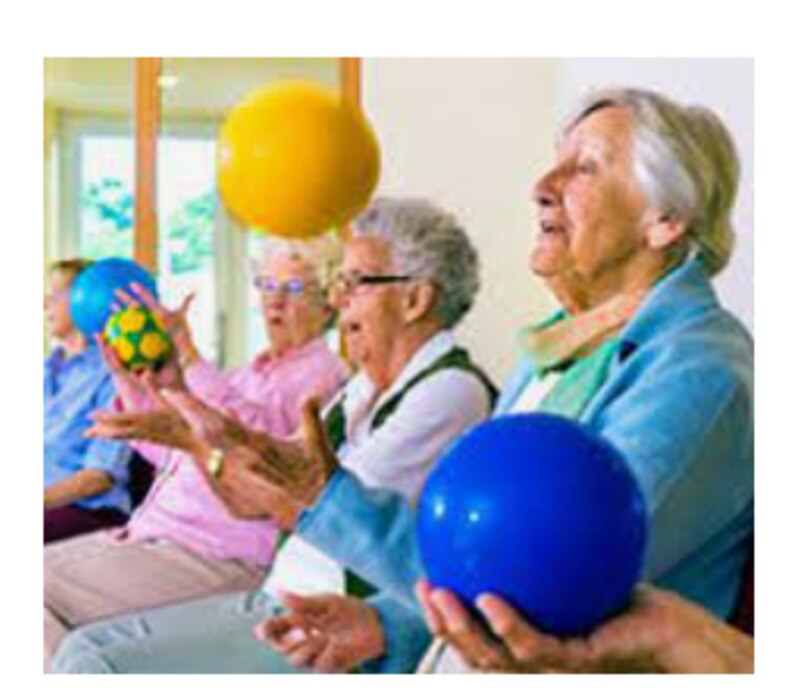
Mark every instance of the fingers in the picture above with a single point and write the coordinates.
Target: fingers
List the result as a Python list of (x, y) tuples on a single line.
[(186, 304), (432, 617), (282, 633), (523, 641), (305, 653), (126, 298), (147, 298), (151, 389), (110, 425), (466, 636), (315, 436), (330, 660), (309, 605)]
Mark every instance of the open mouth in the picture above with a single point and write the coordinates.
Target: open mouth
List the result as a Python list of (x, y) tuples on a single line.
[(549, 227)]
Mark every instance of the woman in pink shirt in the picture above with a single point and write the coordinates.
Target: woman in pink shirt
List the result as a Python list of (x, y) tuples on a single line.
[(181, 543)]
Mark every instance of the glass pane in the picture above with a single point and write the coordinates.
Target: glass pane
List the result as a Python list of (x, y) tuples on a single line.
[(89, 157), (106, 196), (186, 210)]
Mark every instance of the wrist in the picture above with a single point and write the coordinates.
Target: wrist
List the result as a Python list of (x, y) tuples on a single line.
[(187, 351), (374, 640)]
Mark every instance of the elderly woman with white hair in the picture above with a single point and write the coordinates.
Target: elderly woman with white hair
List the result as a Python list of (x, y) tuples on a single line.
[(409, 276), (634, 221), (182, 543)]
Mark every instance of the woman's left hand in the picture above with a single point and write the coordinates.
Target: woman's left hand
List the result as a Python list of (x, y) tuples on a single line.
[(300, 468), (160, 426)]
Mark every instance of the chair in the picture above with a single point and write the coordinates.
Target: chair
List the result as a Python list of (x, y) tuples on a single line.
[(141, 475)]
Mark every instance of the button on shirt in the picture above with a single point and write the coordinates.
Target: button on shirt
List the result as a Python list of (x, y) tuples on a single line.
[(74, 387), (266, 395)]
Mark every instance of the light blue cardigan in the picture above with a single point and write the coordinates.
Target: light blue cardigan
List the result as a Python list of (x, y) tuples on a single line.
[(678, 403)]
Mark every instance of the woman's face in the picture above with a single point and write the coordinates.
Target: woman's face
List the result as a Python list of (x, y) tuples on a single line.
[(292, 303), (371, 316), (591, 209), (56, 304)]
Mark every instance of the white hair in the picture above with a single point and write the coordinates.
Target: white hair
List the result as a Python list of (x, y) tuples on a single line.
[(686, 163), (321, 255), (427, 242)]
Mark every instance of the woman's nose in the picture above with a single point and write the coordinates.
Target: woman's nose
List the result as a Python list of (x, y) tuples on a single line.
[(336, 298), (546, 189)]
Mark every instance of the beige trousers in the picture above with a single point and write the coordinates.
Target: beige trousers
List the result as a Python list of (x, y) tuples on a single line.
[(96, 576)]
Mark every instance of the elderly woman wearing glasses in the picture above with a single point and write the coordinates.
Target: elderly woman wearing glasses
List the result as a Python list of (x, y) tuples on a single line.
[(409, 276), (182, 543)]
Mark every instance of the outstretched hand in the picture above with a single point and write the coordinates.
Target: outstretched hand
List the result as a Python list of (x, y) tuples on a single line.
[(299, 467), (161, 424), (175, 322), (327, 633), (259, 476)]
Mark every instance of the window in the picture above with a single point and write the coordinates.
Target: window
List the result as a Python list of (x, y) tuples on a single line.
[(97, 211)]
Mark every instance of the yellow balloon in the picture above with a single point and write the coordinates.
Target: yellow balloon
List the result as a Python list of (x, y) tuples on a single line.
[(295, 160)]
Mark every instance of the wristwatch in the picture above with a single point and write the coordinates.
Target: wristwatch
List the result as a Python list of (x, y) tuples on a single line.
[(214, 463)]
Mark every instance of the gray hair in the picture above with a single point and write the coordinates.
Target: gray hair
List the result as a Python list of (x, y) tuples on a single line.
[(686, 163), (321, 255), (427, 242)]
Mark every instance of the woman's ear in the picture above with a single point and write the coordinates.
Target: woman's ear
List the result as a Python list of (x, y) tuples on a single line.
[(420, 300), (663, 230)]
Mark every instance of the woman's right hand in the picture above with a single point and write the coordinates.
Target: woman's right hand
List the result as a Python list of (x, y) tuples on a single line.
[(130, 388), (175, 322)]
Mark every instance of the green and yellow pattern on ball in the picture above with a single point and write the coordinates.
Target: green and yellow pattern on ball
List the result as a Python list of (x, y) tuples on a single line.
[(138, 338)]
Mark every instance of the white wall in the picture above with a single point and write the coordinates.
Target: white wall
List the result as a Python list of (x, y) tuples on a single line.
[(471, 134), (726, 85)]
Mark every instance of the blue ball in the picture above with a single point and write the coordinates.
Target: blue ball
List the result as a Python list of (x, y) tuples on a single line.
[(92, 292), (541, 511)]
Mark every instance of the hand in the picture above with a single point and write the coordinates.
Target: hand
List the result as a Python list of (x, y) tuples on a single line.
[(660, 632), (129, 387), (327, 633), (248, 495), (136, 388), (162, 424), (299, 468), (244, 491), (175, 322)]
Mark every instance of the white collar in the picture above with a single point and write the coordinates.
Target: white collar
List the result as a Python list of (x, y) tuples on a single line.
[(361, 388)]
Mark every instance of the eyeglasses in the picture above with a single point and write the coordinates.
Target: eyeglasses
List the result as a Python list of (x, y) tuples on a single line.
[(294, 287), (348, 283)]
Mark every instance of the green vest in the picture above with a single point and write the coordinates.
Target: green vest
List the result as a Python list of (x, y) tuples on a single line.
[(336, 425)]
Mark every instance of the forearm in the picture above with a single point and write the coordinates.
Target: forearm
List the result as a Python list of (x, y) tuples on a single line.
[(369, 531), (79, 486)]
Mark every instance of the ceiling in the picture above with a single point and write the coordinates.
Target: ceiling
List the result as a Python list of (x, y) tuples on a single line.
[(202, 87)]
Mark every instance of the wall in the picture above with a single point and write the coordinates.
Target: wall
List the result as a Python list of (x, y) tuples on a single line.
[(471, 134), (726, 85)]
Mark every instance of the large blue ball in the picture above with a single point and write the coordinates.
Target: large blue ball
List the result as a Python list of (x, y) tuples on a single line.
[(92, 292), (541, 511)]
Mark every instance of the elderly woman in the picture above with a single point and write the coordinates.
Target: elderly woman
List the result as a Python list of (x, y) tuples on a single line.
[(634, 220), (182, 543), (409, 276), (85, 481)]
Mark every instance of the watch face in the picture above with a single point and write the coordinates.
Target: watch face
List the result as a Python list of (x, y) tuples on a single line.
[(214, 463)]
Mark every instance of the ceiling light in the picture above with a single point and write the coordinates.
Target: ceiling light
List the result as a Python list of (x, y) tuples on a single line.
[(167, 81)]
